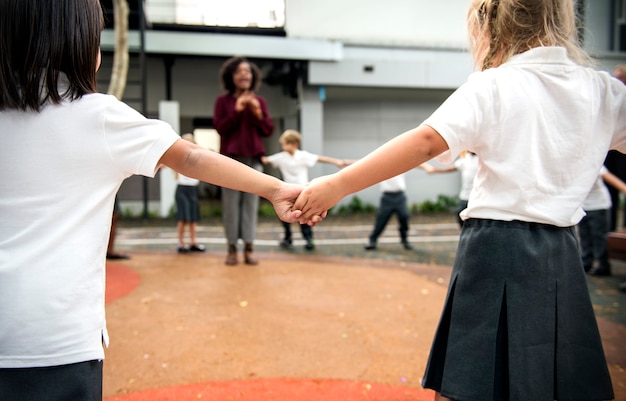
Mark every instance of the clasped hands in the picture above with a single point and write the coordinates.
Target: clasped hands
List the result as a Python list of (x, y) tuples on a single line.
[(249, 100), (310, 204)]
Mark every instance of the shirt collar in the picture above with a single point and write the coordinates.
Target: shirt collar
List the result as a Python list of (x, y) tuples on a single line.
[(541, 55)]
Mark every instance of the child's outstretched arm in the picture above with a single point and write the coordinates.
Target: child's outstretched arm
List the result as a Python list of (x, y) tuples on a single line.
[(331, 160), (614, 181), (208, 166), (398, 155)]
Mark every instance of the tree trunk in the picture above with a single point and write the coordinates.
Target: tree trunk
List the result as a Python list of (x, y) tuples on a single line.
[(119, 73)]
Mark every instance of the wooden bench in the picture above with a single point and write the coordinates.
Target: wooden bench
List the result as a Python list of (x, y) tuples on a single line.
[(616, 244)]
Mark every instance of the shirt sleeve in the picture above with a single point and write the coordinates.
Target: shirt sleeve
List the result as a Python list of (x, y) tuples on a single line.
[(275, 159), (460, 117), (310, 159), (135, 142)]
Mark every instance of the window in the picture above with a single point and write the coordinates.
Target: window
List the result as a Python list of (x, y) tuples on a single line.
[(218, 13)]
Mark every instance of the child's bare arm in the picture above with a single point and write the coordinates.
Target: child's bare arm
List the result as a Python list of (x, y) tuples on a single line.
[(331, 160), (614, 181), (194, 161), (405, 152), (432, 169)]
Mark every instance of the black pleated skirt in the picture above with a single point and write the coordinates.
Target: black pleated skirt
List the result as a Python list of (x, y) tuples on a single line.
[(518, 323), (187, 205)]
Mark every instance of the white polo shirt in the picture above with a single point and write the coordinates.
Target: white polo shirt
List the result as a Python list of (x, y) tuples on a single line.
[(541, 126), (599, 198), (394, 184), (294, 168), (59, 172)]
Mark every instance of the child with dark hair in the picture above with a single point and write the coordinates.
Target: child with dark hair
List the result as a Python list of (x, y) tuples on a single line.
[(65, 151), (518, 323)]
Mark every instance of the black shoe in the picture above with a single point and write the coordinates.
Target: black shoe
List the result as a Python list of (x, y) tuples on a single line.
[(407, 246), (587, 268), (197, 248), (600, 271), (622, 287), (310, 245), (182, 249), (286, 243), (117, 256), (370, 247)]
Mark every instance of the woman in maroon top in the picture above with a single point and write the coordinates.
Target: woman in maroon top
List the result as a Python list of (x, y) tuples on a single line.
[(242, 119)]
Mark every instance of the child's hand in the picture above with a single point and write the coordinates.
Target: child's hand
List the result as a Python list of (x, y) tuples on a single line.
[(283, 202), (315, 200)]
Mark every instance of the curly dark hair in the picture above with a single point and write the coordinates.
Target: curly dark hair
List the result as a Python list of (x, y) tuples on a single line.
[(228, 70)]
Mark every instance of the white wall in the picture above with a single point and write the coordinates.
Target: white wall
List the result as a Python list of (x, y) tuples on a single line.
[(353, 128), (406, 23), (416, 49)]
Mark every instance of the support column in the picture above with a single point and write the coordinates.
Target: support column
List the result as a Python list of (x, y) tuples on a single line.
[(312, 124), (169, 111)]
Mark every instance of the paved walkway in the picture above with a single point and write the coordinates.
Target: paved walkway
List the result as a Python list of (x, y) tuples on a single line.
[(338, 297), (433, 236)]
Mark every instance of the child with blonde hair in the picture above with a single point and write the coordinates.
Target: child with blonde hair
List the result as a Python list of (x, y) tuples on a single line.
[(187, 209), (294, 165), (518, 323)]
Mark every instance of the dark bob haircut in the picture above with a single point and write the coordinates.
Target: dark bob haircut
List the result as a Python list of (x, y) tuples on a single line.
[(39, 40), (228, 70)]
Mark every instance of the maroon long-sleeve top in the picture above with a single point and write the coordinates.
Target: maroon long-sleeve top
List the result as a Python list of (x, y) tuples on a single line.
[(241, 132)]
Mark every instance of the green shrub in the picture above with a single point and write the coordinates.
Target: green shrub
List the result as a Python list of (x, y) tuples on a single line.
[(207, 210), (266, 209), (443, 203), (356, 205)]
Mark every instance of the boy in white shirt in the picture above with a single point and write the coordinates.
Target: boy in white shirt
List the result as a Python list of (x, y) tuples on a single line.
[(294, 165), (594, 228)]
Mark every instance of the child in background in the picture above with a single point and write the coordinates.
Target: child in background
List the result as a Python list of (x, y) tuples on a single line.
[(294, 165), (393, 200), (518, 323), (467, 164), (187, 209), (594, 228), (65, 151)]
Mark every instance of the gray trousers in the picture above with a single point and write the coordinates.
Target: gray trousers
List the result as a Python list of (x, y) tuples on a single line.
[(240, 209)]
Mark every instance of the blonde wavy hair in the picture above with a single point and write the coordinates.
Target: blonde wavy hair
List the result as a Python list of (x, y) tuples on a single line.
[(291, 136), (500, 29)]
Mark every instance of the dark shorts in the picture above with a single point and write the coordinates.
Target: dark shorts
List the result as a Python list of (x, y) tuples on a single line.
[(518, 323), (74, 382)]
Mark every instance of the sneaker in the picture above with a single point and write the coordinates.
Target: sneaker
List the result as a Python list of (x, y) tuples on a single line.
[(600, 271), (370, 247), (286, 243), (310, 245), (182, 249), (197, 248), (407, 246)]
